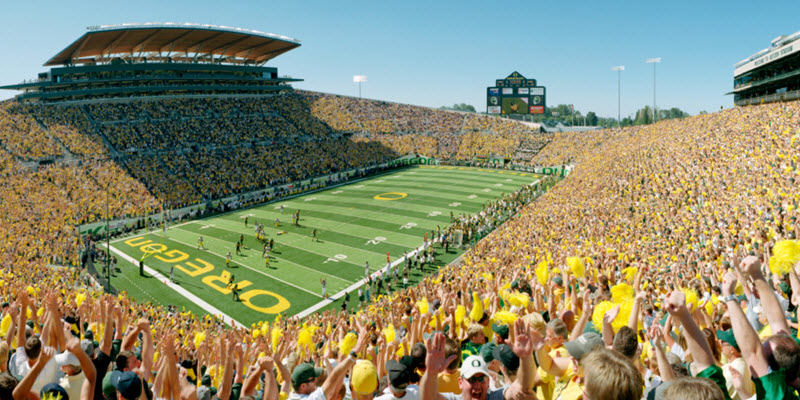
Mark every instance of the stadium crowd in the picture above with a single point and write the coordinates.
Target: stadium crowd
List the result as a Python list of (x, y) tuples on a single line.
[(664, 265)]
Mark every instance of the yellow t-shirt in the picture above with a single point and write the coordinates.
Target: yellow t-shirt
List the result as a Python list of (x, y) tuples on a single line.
[(565, 386), (448, 383), (545, 390)]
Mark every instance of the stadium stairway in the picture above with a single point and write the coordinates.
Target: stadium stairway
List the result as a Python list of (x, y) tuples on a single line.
[(99, 132)]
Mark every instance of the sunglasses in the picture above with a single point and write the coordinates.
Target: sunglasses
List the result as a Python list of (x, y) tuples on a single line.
[(476, 379)]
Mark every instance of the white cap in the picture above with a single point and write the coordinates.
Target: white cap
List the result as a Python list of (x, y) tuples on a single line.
[(474, 365), (67, 358)]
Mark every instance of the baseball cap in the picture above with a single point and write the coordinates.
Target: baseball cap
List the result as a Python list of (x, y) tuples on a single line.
[(559, 281), (728, 337), (203, 393), (88, 347), (474, 365), (55, 391), (109, 391), (501, 329), (365, 378), (205, 380), (304, 373), (88, 334), (506, 356), (487, 352), (67, 358), (399, 374), (127, 383), (583, 344)]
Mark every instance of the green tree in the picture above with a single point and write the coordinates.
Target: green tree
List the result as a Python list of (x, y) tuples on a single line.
[(644, 116), (591, 118), (672, 113), (459, 107)]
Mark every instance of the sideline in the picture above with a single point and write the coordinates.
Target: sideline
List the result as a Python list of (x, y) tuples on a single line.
[(275, 200), (183, 292)]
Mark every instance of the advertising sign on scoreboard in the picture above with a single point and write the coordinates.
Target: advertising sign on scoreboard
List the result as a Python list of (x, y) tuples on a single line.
[(515, 94), (493, 98)]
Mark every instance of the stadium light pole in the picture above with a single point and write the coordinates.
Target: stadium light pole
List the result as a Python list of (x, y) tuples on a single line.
[(359, 79), (619, 70), (654, 61)]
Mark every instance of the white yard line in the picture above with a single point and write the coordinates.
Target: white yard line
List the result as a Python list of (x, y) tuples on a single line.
[(248, 267), (183, 292), (355, 286), (291, 244)]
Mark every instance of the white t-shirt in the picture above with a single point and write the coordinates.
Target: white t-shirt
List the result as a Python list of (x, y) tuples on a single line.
[(49, 373), (493, 395), (73, 385), (412, 393), (315, 395)]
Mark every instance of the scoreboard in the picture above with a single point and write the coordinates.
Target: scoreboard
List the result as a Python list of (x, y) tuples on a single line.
[(515, 95)]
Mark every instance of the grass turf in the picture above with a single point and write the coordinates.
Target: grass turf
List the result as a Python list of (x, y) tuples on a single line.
[(356, 223)]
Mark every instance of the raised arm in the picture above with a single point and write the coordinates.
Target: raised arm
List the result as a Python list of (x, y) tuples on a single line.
[(22, 296), (270, 385), (746, 336), (335, 380), (108, 315), (147, 349), (264, 364), (696, 341), (664, 368), (13, 311), (435, 363), (772, 308), (73, 345), (586, 315), (633, 320), (522, 388), (130, 337), (608, 330)]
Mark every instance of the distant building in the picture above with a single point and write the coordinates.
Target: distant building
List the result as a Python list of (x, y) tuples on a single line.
[(772, 74), (161, 59)]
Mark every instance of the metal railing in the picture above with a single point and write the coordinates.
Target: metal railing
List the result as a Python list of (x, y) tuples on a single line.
[(771, 98)]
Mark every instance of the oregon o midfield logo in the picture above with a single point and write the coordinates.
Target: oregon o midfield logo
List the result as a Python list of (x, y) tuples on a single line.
[(395, 196)]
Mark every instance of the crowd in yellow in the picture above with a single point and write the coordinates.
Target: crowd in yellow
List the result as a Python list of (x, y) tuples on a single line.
[(666, 263)]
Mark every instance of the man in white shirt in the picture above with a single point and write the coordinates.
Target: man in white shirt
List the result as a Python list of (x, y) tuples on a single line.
[(26, 357), (73, 380)]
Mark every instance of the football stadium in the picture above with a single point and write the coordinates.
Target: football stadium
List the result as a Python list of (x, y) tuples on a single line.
[(180, 222)]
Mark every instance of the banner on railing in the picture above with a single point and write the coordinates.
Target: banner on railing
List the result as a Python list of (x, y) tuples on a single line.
[(413, 160)]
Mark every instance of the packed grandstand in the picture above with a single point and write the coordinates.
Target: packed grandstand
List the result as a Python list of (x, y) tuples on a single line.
[(606, 287)]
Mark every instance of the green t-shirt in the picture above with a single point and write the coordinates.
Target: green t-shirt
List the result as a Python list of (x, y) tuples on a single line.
[(715, 374), (772, 386), (469, 349)]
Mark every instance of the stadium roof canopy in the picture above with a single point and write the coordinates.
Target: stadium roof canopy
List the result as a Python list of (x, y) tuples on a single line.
[(173, 42)]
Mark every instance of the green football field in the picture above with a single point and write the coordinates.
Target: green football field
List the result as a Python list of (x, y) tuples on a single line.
[(356, 223)]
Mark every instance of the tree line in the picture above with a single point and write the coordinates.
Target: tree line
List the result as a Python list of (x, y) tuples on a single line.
[(563, 113)]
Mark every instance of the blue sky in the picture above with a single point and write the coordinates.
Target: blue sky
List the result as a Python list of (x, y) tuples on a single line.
[(435, 53)]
